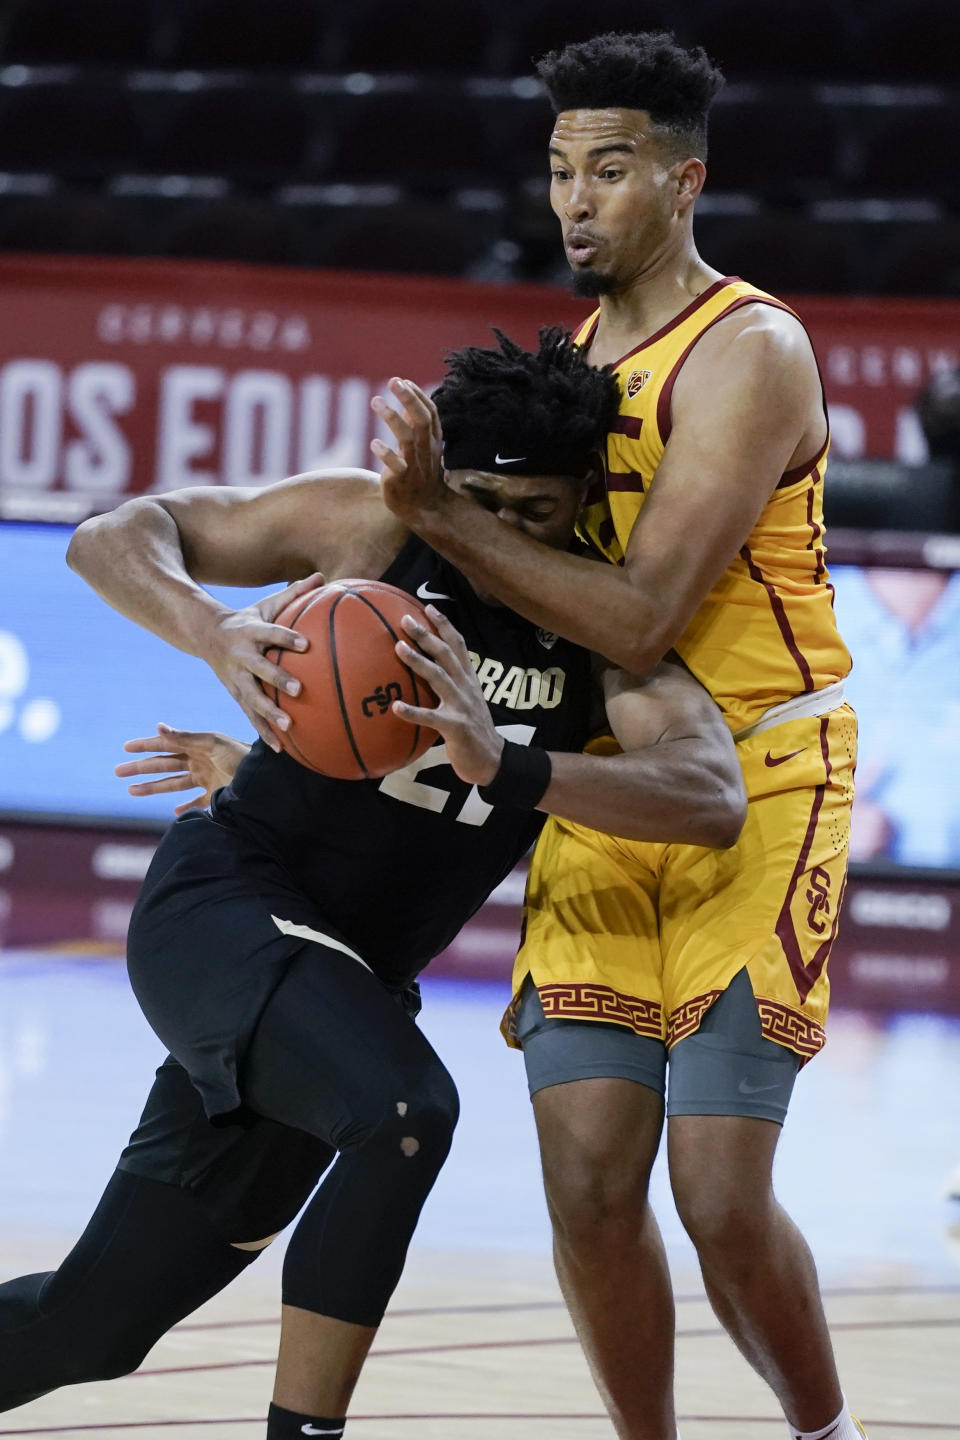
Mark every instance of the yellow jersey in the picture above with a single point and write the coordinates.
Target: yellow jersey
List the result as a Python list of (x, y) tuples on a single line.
[(766, 632)]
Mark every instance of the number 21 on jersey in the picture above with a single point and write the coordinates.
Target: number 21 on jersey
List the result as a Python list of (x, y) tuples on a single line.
[(406, 785)]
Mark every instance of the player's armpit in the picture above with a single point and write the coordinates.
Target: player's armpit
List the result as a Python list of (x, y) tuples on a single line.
[(668, 703), (678, 779)]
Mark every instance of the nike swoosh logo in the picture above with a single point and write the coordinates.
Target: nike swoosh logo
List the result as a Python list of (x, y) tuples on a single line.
[(425, 593), (499, 459), (304, 932), (746, 1088), (311, 1430), (770, 760)]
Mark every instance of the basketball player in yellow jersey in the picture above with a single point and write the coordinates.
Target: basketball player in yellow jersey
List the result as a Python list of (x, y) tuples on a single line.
[(709, 508)]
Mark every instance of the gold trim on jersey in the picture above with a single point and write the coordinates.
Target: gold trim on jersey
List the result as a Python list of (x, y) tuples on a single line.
[(589, 1001)]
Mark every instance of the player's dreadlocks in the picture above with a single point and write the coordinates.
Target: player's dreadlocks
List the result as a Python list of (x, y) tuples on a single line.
[(540, 412), (649, 71)]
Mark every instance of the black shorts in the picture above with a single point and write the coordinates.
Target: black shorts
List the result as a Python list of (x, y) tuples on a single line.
[(214, 931), (250, 1179)]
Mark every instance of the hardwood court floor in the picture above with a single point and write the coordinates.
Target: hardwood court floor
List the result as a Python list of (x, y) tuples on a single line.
[(477, 1345)]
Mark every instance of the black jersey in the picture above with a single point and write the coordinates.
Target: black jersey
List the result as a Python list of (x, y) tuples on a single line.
[(399, 864)]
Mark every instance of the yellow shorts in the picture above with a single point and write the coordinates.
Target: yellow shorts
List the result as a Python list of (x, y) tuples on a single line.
[(648, 936)]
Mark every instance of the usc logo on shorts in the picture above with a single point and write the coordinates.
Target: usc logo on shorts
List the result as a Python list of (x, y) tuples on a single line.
[(636, 381), (819, 897)]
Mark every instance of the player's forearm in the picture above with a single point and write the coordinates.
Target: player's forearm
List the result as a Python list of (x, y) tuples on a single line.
[(595, 605), (671, 793), (133, 558)]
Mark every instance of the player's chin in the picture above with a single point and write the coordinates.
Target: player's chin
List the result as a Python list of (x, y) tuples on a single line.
[(589, 283)]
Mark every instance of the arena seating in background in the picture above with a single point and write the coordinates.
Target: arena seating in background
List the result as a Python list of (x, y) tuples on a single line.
[(779, 252), (247, 34), (82, 32), (922, 260), (234, 230), (884, 495), (83, 131), (425, 237), (906, 150), (542, 25), (250, 135), (383, 37), (777, 147), (412, 135), (915, 42), (65, 225), (424, 139)]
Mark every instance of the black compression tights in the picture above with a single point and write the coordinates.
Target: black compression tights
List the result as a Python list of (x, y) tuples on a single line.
[(148, 1257), (334, 1055)]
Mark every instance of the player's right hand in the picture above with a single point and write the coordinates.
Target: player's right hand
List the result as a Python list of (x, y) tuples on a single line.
[(462, 716), (236, 648), (198, 758)]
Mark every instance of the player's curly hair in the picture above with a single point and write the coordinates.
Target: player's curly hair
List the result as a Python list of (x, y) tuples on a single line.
[(648, 71), (547, 406)]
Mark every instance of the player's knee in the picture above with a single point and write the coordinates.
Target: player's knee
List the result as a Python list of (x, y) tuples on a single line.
[(412, 1120), (722, 1223), (594, 1206), (423, 1126), (427, 1134)]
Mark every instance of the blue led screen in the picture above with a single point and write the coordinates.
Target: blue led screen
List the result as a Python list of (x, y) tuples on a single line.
[(77, 679)]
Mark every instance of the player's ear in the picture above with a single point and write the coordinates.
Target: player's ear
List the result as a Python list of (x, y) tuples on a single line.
[(592, 473), (689, 175)]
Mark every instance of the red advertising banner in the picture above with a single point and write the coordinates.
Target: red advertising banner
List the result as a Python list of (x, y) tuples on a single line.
[(118, 377)]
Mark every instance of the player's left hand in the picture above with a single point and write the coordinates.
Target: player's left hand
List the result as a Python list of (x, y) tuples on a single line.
[(411, 478), (462, 718), (198, 758)]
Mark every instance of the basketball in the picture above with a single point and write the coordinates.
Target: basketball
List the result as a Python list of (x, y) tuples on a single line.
[(342, 723)]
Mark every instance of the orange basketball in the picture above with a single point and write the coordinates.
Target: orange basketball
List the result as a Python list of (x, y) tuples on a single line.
[(342, 723)]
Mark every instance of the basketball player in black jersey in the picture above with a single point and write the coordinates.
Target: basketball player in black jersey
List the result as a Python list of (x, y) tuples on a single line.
[(277, 937)]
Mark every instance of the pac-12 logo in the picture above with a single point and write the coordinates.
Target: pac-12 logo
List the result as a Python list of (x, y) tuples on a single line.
[(381, 699), (819, 897), (636, 381)]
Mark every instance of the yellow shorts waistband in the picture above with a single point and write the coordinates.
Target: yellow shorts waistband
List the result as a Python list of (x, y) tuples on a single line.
[(801, 707)]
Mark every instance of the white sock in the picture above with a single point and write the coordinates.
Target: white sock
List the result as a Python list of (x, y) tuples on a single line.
[(844, 1427)]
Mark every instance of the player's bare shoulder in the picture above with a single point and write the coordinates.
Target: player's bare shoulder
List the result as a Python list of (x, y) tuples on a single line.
[(755, 366), (320, 494), (756, 340), (353, 531)]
